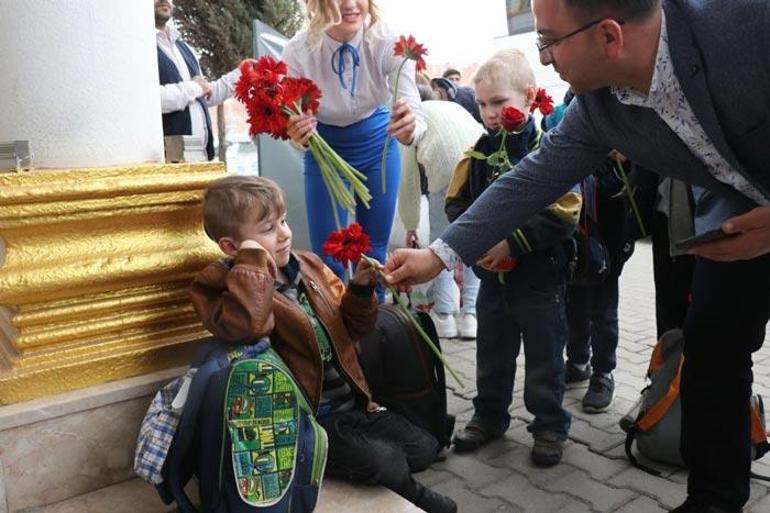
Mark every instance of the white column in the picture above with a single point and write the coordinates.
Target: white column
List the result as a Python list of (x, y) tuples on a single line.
[(79, 80)]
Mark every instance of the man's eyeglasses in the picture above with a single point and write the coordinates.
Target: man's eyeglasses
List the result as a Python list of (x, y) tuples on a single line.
[(544, 44)]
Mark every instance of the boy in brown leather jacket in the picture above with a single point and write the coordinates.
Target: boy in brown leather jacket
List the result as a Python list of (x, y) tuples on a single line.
[(262, 288)]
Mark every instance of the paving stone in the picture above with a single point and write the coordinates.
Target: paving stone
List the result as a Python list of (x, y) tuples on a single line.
[(475, 473), (518, 490), (642, 505), (472, 502), (665, 492), (596, 465), (601, 497)]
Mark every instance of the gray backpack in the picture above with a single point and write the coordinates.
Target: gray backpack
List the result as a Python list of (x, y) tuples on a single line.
[(654, 422)]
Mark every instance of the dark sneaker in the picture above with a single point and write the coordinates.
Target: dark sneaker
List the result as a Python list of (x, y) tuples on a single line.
[(433, 502), (472, 436), (694, 506), (547, 449), (576, 378), (598, 397)]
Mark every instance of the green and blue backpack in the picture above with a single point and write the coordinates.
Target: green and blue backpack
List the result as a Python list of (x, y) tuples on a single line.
[(249, 435)]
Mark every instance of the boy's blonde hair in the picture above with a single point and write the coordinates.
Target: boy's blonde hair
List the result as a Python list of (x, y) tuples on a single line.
[(234, 201), (509, 67), (323, 14)]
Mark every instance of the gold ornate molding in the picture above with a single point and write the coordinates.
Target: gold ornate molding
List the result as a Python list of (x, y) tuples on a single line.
[(94, 268)]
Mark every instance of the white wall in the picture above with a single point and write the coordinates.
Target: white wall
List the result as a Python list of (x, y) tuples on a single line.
[(79, 80)]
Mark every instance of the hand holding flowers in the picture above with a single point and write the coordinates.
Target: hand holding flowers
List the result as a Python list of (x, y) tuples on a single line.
[(277, 104), (349, 245)]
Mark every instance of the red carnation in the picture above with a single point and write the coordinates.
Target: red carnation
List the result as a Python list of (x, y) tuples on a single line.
[(512, 119), (266, 117), (543, 101), (409, 48), (301, 92), (348, 244)]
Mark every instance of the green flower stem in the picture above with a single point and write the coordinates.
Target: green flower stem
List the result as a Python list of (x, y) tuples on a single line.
[(333, 169), (415, 322), (384, 159), (630, 194), (342, 195), (384, 164)]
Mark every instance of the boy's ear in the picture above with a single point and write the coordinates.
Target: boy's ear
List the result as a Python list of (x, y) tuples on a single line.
[(228, 246), (531, 95)]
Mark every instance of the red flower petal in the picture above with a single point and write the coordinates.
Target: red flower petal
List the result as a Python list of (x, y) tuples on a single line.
[(512, 118), (543, 102), (409, 47), (347, 244)]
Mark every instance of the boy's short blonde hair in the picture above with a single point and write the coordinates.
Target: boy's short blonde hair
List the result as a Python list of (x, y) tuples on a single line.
[(509, 67), (234, 201), (326, 13)]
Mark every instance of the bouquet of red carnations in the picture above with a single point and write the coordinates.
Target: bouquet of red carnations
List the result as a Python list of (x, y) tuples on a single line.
[(271, 98)]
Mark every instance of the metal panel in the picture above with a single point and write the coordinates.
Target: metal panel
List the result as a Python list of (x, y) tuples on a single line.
[(278, 160)]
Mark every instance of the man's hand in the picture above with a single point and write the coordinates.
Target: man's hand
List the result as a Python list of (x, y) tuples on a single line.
[(205, 85), (492, 258), (365, 274), (752, 239), (402, 122), (411, 238), (407, 267)]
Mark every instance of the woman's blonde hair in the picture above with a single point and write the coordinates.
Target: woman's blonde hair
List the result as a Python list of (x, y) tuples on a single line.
[(323, 14), (509, 67)]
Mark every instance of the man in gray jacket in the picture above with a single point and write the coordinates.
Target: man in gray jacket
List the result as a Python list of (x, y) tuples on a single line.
[(681, 87)]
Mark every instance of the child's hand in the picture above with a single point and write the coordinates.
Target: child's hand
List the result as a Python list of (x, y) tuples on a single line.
[(492, 258), (365, 275), (250, 244)]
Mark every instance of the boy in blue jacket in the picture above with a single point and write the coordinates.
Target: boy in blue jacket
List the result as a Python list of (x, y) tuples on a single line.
[(522, 278)]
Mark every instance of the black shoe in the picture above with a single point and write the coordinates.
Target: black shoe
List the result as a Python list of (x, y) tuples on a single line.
[(547, 449), (433, 502), (598, 398), (574, 377), (695, 506), (472, 436)]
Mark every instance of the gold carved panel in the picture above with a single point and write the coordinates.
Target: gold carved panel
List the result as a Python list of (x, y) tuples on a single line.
[(94, 268)]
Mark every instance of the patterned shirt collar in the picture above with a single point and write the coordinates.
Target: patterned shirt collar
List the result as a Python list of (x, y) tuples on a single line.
[(662, 74)]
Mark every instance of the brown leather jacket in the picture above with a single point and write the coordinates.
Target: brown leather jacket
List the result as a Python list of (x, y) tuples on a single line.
[(237, 302)]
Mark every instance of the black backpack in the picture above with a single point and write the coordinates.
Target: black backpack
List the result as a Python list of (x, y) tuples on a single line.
[(403, 373), (591, 258)]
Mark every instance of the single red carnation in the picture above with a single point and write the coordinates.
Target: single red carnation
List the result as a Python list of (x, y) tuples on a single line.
[(348, 244), (267, 118), (543, 101), (409, 48), (512, 118)]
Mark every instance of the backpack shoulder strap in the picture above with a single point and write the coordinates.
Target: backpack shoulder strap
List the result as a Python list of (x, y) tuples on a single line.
[(176, 476), (653, 415)]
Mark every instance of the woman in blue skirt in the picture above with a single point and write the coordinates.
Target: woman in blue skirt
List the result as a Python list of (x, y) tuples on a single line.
[(348, 53)]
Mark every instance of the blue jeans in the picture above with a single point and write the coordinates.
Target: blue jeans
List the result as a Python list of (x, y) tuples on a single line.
[(444, 283), (528, 307), (361, 145), (592, 315)]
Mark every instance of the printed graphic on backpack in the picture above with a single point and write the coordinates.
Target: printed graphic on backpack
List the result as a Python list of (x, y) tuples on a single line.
[(269, 421)]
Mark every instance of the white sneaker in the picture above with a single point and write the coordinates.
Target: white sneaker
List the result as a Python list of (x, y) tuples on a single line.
[(467, 326), (446, 327)]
